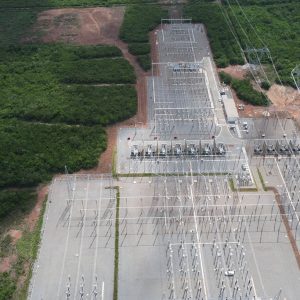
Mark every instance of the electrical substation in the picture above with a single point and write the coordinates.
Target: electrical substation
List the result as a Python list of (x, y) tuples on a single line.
[(203, 207)]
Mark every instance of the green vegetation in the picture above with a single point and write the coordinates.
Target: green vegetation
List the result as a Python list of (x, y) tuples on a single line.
[(34, 92), (276, 26), (64, 3), (116, 259), (265, 188), (7, 286), (104, 70), (244, 90), (139, 48), (86, 105), (222, 42), (14, 201), (14, 25), (265, 85), (36, 151), (54, 103), (27, 251), (144, 61), (114, 164), (138, 21)]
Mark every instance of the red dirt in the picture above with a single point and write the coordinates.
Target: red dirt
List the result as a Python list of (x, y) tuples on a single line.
[(7, 262), (238, 72), (285, 100), (15, 235), (287, 225), (83, 26), (33, 217)]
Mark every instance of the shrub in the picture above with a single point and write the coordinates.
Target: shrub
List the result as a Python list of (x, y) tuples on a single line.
[(144, 61), (7, 286), (245, 91), (139, 48), (226, 78), (265, 85), (12, 201)]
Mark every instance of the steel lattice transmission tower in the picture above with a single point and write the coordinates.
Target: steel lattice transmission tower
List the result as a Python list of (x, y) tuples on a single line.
[(256, 55)]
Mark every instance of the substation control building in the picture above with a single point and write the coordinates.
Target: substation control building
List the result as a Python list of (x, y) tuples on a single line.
[(230, 109)]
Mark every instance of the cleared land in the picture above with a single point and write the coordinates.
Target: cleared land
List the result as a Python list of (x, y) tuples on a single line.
[(84, 26)]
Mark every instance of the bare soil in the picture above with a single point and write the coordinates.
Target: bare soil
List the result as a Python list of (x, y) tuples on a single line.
[(83, 26), (32, 218), (15, 235), (7, 262), (237, 71), (285, 100)]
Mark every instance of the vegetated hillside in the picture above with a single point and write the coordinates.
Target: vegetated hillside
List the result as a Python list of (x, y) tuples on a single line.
[(33, 78), (33, 89), (65, 3), (276, 26), (138, 21)]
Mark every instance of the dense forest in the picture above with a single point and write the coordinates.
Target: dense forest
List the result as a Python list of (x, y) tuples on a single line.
[(135, 30), (276, 26), (33, 80)]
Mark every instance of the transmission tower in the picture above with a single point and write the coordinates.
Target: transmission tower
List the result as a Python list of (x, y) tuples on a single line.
[(296, 76), (256, 55)]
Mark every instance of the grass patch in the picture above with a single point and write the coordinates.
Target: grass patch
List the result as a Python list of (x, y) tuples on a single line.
[(114, 164), (265, 188), (234, 189), (7, 286), (27, 250), (231, 185)]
